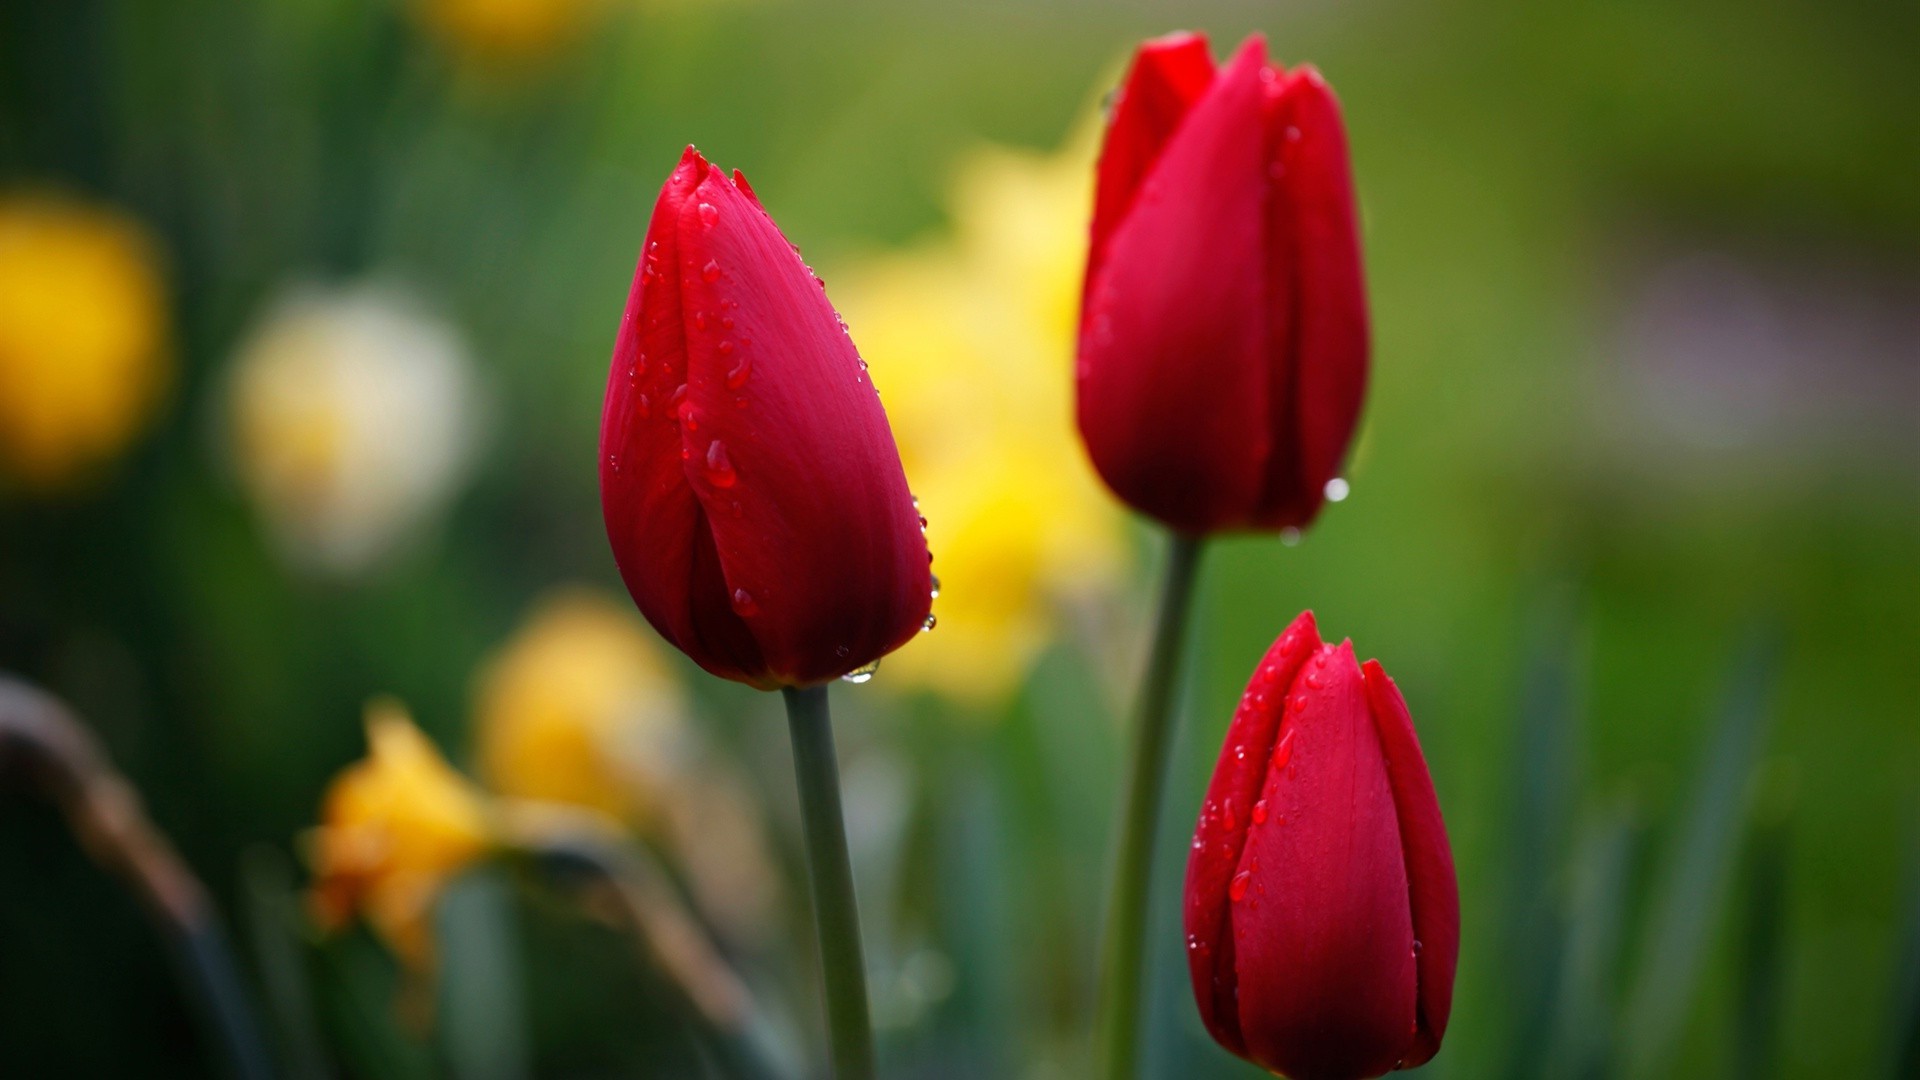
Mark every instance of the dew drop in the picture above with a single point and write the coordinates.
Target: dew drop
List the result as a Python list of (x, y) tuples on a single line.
[(726, 348), (1290, 536), (1338, 489), (1237, 890), (643, 406), (699, 320), (708, 215), (743, 604), (1416, 946), (1283, 753), (719, 467), (1260, 812), (861, 674), (1228, 819), (1240, 752), (930, 623), (711, 271), (737, 376), (933, 586), (726, 322)]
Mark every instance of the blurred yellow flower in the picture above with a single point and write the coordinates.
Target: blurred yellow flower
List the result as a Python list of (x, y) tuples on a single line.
[(580, 707), (394, 829), (82, 336), (354, 414), (970, 337), (506, 30)]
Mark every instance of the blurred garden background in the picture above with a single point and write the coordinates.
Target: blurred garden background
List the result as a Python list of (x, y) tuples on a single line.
[(305, 312)]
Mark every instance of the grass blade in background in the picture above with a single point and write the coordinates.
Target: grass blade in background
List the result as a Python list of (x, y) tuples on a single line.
[(1762, 950), (482, 1011), (1903, 1040), (1581, 1046), (270, 904), (1545, 782), (1683, 910)]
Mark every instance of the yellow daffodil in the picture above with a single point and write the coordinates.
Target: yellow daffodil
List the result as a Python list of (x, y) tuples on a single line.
[(970, 338), (580, 707), (353, 414), (506, 31), (394, 829), (83, 325)]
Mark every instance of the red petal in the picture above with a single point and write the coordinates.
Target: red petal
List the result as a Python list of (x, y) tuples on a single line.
[(789, 452), (1214, 858), (1324, 938), (653, 521), (1173, 378), (1432, 889), (1168, 75), (1318, 296)]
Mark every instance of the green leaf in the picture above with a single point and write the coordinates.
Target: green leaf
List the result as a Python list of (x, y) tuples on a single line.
[(482, 1008), (1691, 887)]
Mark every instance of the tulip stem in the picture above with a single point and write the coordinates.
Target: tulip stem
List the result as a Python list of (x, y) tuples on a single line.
[(1146, 781), (830, 868)]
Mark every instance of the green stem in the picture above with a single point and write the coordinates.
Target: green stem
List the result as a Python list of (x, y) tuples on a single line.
[(1146, 780), (850, 1034)]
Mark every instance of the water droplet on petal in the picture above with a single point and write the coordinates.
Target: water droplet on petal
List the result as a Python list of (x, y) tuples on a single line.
[(930, 623), (1338, 489), (726, 322), (1283, 753), (737, 376), (1416, 946), (933, 586), (1237, 890), (699, 320), (1240, 752), (726, 348), (643, 406), (1260, 812), (711, 271), (708, 215), (861, 674), (719, 468), (1290, 536), (743, 604), (1228, 819)]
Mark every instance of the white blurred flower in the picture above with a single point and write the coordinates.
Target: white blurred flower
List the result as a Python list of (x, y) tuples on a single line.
[(354, 415)]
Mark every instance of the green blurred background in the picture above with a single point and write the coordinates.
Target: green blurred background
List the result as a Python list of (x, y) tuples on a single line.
[(1639, 472)]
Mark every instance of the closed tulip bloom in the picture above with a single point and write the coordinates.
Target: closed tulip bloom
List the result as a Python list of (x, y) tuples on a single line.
[(1223, 332), (752, 491), (1323, 918)]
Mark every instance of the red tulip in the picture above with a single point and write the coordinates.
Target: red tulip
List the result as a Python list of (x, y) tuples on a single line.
[(1223, 330), (1323, 919), (752, 489)]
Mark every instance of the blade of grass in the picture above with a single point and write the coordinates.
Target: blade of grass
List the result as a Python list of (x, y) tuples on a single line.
[(1762, 955), (1690, 890), (272, 908), (1545, 780), (1903, 1035), (482, 1013), (1581, 1046)]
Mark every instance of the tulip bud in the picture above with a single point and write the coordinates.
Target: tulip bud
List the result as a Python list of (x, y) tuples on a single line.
[(1323, 918), (752, 490), (1223, 330)]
